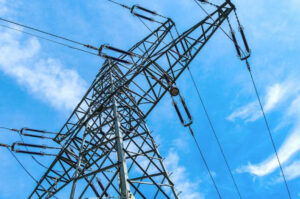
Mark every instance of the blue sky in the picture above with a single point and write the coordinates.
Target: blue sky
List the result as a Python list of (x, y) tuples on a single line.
[(40, 83)]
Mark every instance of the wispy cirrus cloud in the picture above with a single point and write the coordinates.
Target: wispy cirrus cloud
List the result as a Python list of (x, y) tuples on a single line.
[(251, 111), (292, 171), (289, 148), (275, 95)]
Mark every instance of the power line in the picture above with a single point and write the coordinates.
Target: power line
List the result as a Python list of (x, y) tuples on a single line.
[(124, 6), (268, 128), (35, 159), (41, 31), (21, 137), (26, 170), (258, 98), (215, 134), (38, 162), (49, 40), (1, 127), (206, 165)]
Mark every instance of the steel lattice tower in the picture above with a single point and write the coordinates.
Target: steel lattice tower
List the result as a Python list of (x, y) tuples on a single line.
[(107, 149)]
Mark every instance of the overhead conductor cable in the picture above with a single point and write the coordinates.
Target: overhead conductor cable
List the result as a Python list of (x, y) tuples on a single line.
[(255, 88), (215, 134), (99, 53), (27, 171), (27, 151), (269, 130)]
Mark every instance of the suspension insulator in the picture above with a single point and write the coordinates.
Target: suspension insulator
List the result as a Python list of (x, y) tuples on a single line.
[(144, 17), (29, 145), (146, 10), (115, 59), (33, 153), (36, 136), (236, 44), (118, 50), (178, 112), (132, 10), (94, 189), (101, 54), (34, 145), (35, 130), (185, 108), (244, 39)]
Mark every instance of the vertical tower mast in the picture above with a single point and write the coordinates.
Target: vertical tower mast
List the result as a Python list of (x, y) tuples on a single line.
[(123, 175)]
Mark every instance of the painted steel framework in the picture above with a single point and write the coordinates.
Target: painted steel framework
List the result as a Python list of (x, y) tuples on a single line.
[(107, 148)]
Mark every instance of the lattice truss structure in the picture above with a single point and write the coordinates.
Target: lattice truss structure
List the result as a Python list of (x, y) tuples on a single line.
[(107, 149)]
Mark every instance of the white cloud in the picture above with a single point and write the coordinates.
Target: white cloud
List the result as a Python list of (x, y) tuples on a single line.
[(293, 171), (275, 94), (180, 178), (294, 109), (46, 79), (251, 111), (244, 112), (288, 149)]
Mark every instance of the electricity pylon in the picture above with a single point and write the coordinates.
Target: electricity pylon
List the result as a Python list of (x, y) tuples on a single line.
[(107, 149)]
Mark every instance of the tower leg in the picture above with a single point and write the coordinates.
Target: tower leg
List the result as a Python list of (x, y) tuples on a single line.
[(123, 175)]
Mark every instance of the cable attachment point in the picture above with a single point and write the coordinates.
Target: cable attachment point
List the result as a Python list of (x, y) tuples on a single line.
[(241, 29), (248, 65), (4, 145), (191, 131), (174, 91), (91, 47), (237, 48)]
